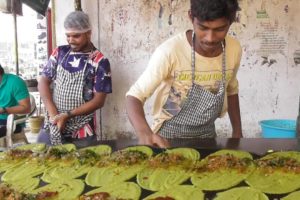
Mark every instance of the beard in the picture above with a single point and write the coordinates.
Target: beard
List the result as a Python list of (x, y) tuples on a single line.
[(83, 48)]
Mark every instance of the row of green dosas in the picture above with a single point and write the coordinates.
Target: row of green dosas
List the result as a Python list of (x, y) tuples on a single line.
[(221, 170)]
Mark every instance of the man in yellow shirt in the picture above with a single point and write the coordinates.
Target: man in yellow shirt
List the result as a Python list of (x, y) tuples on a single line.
[(193, 78)]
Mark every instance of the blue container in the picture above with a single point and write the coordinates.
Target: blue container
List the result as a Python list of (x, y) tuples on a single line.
[(278, 128)]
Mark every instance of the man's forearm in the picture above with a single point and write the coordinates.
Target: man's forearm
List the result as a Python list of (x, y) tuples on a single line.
[(90, 106), (234, 115), (46, 95), (136, 116), (17, 110)]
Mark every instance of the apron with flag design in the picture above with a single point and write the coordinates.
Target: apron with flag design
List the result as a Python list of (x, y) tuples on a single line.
[(68, 95)]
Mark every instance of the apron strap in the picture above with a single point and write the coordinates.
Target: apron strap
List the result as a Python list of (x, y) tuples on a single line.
[(194, 59)]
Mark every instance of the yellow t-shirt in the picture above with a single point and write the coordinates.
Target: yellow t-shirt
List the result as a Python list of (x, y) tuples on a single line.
[(169, 76)]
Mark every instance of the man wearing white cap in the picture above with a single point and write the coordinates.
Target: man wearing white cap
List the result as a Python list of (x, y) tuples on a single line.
[(81, 79)]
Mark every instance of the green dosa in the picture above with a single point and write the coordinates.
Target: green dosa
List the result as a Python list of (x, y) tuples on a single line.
[(99, 149), (277, 173), (188, 153), (167, 169), (179, 192), (25, 185), (35, 147), (292, 196), (222, 170), (157, 179), (97, 177), (121, 166), (241, 193), (69, 147), (24, 171), (7, 162), (146, 150), (123, 190), (63, 172), (67, 190)]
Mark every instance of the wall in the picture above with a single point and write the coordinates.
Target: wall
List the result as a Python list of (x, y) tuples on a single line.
[(128, 31)]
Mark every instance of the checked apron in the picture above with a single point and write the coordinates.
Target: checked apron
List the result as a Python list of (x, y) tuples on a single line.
[(196, 119), (68, 95)]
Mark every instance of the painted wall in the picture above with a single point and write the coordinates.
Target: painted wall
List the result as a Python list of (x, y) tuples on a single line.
[(128, 31)]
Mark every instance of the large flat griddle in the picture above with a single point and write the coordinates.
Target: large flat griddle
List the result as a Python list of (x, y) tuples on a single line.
[(256, 146)]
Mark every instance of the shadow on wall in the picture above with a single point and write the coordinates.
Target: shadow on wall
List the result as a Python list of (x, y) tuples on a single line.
[(119, 135), (125, 135)]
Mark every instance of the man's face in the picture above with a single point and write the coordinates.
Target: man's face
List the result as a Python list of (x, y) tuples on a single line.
[(209, 34), (78, 41)]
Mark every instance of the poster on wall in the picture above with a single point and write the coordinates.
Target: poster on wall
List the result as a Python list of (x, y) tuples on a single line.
[(267, 23), (272, 26)]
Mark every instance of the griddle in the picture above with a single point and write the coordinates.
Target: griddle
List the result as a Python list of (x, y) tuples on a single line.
[(258, 147)]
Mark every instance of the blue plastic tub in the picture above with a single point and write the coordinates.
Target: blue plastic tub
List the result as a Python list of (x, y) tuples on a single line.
[(278, 128)]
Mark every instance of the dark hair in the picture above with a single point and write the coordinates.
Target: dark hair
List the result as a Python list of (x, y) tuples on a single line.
[(207, 10), (1, 70)]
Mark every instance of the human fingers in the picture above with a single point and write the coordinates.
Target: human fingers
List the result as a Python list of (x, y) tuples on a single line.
[(61, 124), (160, 141), (54, 119), (145, 141)]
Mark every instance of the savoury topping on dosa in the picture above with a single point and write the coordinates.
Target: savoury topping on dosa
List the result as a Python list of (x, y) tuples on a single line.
[(167, 169), (222, 169), (120, 166), (276, 173)]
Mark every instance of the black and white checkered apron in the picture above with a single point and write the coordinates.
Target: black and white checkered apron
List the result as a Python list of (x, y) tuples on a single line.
[(68, 95), (196, 119)]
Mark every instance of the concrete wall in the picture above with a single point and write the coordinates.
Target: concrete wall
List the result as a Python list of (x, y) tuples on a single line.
[(128, 31)]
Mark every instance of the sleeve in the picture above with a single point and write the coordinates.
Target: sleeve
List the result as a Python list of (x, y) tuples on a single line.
[(20, 89), (233, 85), (157, 70), (49, 69), (103, 77)]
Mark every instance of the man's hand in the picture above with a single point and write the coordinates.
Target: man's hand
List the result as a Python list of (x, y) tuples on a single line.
[(60, 120), (2, 111), (153, 140), (137, 118), (237, 134)]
